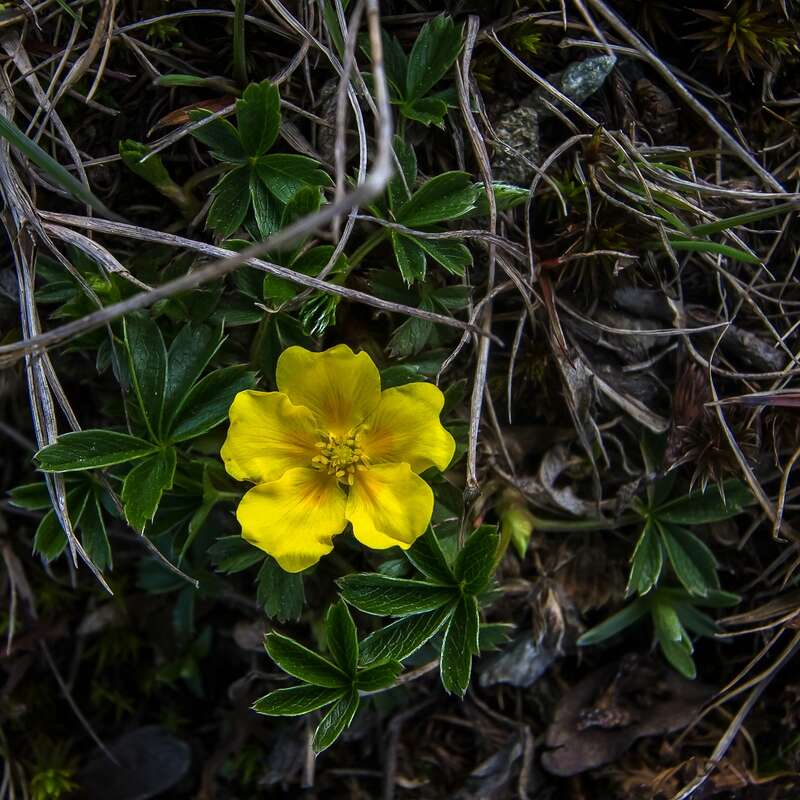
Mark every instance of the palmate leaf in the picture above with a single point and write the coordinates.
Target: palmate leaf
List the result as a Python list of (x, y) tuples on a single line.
[(281, 594), (231, 201), (207, 404), (258, 117), (425, 110), (296, 700), (693, 563), (453, 256), (188, 355), (409, 255), (335, 721), (445, 197), (300, 662), (434, 52), (266, 209), (397, 597), (476, 560), (706, 506), (219, 135), (427, 556), (402, 182), (400, 639), (647, 561), (378, 676), (50, 541), (147, 355), (285, 174), (460, 644), (231, 554), (340, 631), (144, 485), (616, 623), (92, 449)]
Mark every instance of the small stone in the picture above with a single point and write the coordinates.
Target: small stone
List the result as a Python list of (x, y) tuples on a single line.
[(518, 134)]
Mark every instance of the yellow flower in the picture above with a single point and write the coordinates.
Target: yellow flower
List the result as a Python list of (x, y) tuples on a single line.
[(328, 448)]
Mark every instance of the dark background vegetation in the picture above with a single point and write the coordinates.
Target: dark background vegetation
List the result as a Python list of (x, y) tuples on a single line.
[(645, 267)]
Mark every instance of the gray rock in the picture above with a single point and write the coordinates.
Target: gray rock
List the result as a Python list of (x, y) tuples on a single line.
[(151, 761), (518, 129), (518, 133), (522, 664)]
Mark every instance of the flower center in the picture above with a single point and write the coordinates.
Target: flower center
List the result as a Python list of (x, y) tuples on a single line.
[(340, 456)]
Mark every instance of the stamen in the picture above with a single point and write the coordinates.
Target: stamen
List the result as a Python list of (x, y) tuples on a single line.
[(341, 456)]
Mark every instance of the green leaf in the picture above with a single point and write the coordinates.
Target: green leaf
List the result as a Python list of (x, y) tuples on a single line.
[(716, 598), (460, 644), (427, 556), (411, 336), (679, 654), (230, 554), (395, 61), (378, 676), (696, 621), (144, 485), (397, 597), (147, 356), (476, 560), (410, 257), (258, 117), (49, 541), (434, 51), (285, 174), (58, 174), (701, 246), (208, 403), (615, 623), (506, 197), (742, 219), (265, 208), (304, 202), (340, 631), (30, 496), (280, 593), (188, 356), (332, 28), (453, 256), (708, 506), (404, 637), (92, 449), (402, 183), (231, 201), (665, 618), (296, 700), (335, 721), (694, 564), (219, 135), (300, 662), (493, 635), (425, 110), (94, 536), (647, 561), (445, 197), (151, 169)]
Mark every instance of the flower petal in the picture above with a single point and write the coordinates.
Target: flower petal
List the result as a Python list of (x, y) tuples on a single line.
[(294, 518), (405, 427), (267, 436), (389, 505), (340, 387)]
